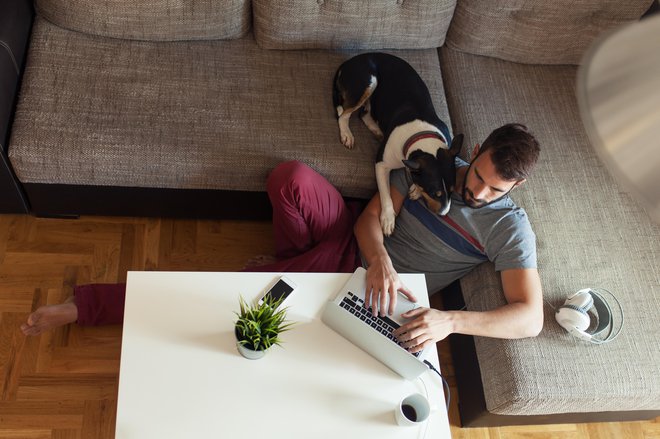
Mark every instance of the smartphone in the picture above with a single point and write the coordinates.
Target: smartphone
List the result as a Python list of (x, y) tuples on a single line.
[(283, 287)]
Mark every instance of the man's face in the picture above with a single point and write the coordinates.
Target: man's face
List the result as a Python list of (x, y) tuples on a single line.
[(482, 185)]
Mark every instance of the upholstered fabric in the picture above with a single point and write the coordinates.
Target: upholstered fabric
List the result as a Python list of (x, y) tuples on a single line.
[(537, 31), (190, 115), (157, 20), (364, 24), (590, 233)]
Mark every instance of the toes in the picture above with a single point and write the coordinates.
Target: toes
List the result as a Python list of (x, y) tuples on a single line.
[(347, 140), (30, 330)]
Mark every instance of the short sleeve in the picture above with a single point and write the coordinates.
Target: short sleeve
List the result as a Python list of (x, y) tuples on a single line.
[(512, 243), (399, 181)]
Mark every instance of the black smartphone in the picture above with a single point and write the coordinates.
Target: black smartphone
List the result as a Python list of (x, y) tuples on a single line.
[(282, 288)]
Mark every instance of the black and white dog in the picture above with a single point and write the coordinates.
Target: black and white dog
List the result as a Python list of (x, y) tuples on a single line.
[(396, 106)]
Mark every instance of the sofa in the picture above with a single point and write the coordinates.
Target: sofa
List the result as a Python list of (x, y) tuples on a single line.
[(182, 108)]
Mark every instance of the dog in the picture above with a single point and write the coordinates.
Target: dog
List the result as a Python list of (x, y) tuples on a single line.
[(396, 106)]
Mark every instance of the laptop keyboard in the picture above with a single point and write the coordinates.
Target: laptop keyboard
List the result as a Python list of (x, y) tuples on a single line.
[(382, 324)]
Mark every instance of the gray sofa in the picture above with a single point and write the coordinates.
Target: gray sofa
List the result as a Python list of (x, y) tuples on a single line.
[(182, 109)]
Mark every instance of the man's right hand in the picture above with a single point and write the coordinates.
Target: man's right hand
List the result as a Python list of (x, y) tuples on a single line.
[(382, 279), (382, 283)]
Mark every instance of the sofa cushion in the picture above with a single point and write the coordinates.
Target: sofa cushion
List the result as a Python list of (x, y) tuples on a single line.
[(589, 234), (157, 20), (536, 31), (189, 115), (364, 24)]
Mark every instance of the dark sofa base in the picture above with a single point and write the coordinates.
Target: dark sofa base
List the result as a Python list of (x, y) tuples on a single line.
[(70, 201), (12, 199), (471, 401)]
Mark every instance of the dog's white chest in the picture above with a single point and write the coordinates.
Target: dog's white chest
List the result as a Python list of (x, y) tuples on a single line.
[(393, 153)]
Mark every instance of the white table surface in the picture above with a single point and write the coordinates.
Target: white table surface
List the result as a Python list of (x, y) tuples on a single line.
[(182, 377)]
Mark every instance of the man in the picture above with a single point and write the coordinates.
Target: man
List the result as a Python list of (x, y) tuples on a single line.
[(483, 224), (315, 230)]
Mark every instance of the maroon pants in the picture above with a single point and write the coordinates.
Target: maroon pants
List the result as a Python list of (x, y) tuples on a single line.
[(312, 226)]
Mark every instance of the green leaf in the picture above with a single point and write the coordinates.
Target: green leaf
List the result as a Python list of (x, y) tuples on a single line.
[(260, 325)]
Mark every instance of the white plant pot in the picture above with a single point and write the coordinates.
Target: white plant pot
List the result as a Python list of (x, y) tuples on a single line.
[(249, 353)]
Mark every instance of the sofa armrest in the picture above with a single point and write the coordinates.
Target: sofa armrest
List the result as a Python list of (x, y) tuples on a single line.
[(15, 24)]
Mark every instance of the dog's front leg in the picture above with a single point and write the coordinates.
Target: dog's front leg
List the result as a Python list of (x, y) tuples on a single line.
[(414, 192), (345, 133), (387, 216)]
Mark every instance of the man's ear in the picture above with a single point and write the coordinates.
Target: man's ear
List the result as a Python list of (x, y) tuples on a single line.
[(519, 182), (475, 152)]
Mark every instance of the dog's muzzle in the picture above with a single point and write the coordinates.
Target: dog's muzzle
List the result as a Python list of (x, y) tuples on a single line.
[(435, 205)]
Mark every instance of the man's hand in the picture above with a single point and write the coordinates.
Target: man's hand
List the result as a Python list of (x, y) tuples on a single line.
[(382, 279), (429, 326), (383, 282), (521, 317)]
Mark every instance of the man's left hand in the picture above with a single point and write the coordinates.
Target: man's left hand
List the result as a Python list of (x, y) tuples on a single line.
[(429, 326)]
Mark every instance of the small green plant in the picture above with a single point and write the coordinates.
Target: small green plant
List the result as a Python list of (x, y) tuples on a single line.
[(258, 326)]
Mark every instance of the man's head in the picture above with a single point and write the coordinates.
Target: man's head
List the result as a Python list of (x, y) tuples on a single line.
[(504, 161)]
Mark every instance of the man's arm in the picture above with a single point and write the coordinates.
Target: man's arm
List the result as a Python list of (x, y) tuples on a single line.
[(521, 317), (382, 278)]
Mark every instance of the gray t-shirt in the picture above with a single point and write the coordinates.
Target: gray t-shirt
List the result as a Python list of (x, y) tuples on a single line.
[(447, 248)]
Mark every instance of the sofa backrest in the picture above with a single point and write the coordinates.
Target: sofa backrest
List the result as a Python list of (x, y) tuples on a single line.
[(351, 24), (154, 20), (537, 31)]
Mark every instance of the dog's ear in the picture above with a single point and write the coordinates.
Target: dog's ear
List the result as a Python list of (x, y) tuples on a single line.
[(412, 165), (456, 145)]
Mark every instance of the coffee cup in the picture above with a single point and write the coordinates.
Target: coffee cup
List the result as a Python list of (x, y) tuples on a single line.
[(412, 410)]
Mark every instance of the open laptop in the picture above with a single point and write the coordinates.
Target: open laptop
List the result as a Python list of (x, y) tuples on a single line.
[(347, 315)]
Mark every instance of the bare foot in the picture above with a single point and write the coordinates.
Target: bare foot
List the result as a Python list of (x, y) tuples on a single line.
[(51, 316), (259, 261)]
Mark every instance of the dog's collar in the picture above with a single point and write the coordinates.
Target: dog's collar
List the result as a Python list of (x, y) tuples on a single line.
[(420, 136)]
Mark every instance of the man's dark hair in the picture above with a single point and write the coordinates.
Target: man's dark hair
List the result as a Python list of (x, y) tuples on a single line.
[(514, 151)]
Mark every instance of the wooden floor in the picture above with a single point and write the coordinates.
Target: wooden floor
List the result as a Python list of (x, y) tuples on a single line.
[(63, 384)]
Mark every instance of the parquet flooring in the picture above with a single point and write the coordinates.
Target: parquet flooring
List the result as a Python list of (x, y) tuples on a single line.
[(63, 384)]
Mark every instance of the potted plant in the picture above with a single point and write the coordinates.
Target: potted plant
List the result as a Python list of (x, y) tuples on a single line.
[(259, 326)]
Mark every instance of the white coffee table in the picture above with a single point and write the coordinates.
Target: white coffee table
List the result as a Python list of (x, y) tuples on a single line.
[(182, 377)]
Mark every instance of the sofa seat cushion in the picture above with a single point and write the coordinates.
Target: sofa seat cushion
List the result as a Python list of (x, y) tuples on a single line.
[(186, 115), (589, 234), (158, 20)]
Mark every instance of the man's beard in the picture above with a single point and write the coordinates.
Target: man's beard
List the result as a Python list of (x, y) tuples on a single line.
[(475, 203)]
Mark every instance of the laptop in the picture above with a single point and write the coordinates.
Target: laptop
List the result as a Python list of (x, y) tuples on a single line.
[(347, 315)]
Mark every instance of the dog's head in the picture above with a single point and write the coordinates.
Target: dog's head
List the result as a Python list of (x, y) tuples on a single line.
[(436, 176)]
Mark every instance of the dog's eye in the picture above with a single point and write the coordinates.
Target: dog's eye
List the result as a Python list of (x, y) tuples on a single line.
[(438, 194)]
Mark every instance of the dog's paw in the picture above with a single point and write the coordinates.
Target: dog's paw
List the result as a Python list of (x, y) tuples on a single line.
[(414, 192), (387, 220), (347, 139)]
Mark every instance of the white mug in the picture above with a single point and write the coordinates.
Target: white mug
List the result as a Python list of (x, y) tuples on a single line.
[(412, 410)]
